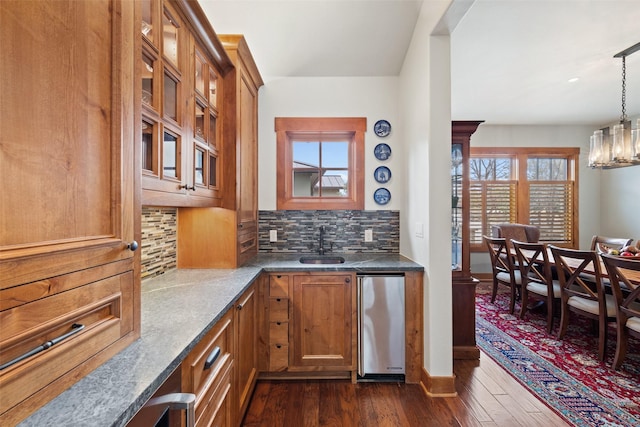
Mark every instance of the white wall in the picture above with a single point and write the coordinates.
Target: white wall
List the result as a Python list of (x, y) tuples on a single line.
[(549, 136), (372, 97), (425, 108)]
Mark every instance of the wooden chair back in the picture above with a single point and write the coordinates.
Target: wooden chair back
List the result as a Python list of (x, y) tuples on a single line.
[(571, 265), (611, 242), (627, 301), (533, 261)]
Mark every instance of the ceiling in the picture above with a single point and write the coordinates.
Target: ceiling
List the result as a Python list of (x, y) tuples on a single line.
[(511, 60)]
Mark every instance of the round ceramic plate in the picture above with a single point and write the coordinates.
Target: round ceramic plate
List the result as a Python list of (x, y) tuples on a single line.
[(382, 151), (382, 196), (382, 128), (382, 174)]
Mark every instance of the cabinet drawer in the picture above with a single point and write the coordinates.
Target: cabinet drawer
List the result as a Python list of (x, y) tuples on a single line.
[(214, 407), (204, 364), (279, 333), (247, 242), (81, 322), (278, 357), (279, 286), (278, 309)]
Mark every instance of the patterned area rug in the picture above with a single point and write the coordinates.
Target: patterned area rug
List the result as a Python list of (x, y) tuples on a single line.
[(566, 374)]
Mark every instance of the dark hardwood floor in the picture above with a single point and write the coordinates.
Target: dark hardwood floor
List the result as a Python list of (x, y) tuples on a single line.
[(487, 396)]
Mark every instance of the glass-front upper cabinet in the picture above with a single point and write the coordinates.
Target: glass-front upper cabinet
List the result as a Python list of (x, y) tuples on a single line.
[(461, 132), (456, 208)]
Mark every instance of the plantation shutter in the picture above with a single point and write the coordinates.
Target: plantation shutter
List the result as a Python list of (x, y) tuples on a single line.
[(551, 209), (491, 202)]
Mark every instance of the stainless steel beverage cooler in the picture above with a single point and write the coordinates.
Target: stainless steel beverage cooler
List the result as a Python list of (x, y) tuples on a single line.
[(381, 327)]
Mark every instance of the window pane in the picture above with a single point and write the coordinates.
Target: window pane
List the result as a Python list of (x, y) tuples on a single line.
[(546, 169), (489, 169), (306, 154), (170, 155), (334, 183), (305, 182), (335, 154)]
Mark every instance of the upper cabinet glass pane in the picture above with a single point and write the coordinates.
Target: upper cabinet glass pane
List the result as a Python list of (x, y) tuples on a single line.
[(212, 131), (199, 75), (147, 19), (213, 87), (170, 97), (147, 146), (200, 129), (147, 80), (170, 156), (170, 38)]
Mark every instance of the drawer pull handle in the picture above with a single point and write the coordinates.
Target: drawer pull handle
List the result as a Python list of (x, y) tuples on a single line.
[(278, 346), (278, 299), (177, 401), (75, 328), (278, 323), (212, 358)]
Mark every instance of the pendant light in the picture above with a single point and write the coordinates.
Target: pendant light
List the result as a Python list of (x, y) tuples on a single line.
[(621, 148)]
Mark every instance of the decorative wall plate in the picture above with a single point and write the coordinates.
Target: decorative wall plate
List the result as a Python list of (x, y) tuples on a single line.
[(382, 151), (382, 174), (382, 196), (382, 128)]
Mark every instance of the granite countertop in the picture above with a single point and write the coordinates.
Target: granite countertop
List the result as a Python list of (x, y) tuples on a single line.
[(178, 308)]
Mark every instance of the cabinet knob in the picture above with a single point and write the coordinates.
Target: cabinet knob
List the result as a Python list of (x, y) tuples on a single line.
[(132, 246), (347, 280)]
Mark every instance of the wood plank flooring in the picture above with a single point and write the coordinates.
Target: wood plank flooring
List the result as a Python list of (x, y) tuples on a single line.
[(487, 396)]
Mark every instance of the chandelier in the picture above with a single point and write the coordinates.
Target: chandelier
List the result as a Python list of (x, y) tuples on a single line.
[(621, 147)]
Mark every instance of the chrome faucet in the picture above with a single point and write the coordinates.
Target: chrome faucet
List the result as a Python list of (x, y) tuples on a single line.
[(321, 247)]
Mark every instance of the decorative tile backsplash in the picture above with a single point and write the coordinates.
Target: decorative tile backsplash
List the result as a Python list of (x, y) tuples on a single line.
[(298, 231), (159, 241)]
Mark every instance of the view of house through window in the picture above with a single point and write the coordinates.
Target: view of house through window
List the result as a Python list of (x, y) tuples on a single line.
[(536, 186), (320, 168)]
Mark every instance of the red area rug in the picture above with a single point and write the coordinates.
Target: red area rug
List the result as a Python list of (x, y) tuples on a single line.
[(565, 374)]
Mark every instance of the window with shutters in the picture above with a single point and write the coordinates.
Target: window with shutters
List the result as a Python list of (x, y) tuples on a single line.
[(536, 186)]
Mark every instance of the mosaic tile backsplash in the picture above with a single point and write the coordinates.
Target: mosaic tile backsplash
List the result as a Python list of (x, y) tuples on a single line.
[(159, 241), (299, 231)]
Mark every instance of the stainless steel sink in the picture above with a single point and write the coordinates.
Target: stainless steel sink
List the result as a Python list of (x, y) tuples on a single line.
[(321, 259)]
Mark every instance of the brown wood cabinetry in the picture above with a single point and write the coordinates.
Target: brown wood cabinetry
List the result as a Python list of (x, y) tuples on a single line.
[(208, 373), (69, 285), (226, 237), (464, 285), (182, 65), (246, 353), (323, 333), (310, 324)]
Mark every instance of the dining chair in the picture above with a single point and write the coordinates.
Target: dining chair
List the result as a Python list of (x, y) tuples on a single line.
[(537, 280), (610, 242), (582, 297), (627, 302), (504, 273)]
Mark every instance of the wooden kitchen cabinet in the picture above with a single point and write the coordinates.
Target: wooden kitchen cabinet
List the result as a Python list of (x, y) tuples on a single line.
[(182, 66), (323, 330), (227, 237), (246, 352), (207, 372), (311, 324), (69, 211)]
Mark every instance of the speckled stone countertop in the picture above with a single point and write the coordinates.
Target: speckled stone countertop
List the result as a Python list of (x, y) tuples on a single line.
[(178, 308)]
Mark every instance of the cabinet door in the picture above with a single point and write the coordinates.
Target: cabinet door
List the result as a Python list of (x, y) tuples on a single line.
[(323, 322), (68, 204), (68, 196), (247, 168), (247, 347)]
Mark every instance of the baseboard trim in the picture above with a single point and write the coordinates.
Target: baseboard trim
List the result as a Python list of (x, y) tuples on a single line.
[(438, 386), (484, 277)]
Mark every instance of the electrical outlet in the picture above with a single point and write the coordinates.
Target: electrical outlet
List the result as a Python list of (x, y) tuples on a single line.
[(419, 230), (368, 235), (273, 235)]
